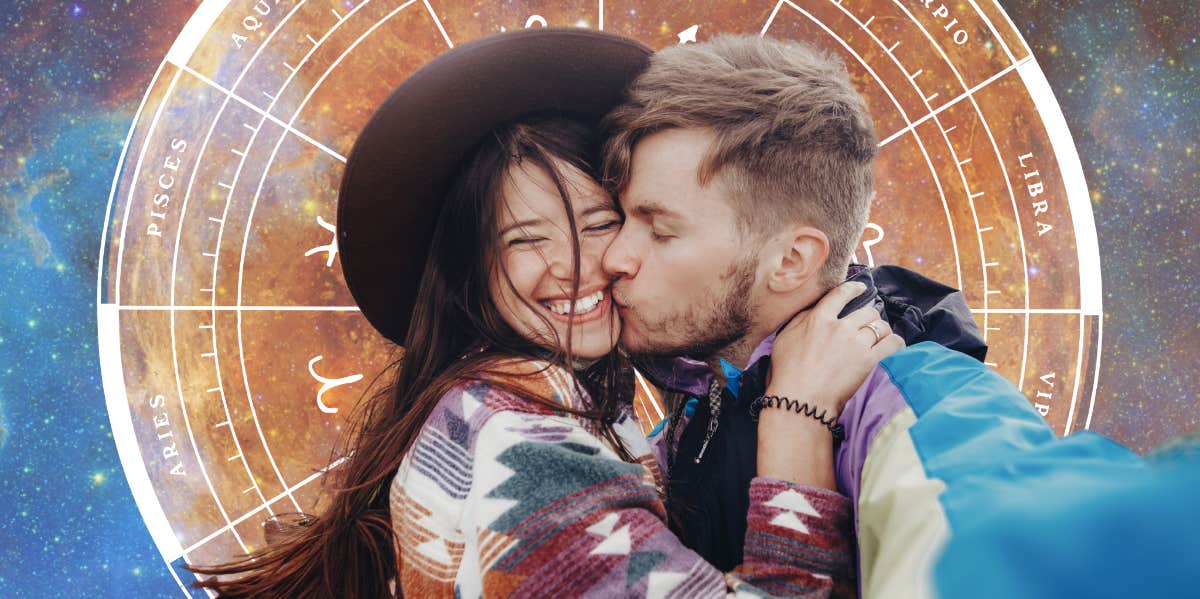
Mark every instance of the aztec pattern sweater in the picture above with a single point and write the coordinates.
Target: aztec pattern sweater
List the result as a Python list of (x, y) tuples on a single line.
[(498, 498)]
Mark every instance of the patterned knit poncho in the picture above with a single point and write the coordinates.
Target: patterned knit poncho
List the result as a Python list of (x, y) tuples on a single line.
[(502, 498)]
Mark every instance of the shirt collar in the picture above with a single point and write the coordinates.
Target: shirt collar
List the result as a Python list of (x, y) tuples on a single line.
[(691, 376)]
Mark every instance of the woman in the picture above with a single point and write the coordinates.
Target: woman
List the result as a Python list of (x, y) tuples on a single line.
[(504, 460)]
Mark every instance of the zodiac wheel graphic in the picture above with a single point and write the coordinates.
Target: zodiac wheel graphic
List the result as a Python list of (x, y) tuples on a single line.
[(232, 352)]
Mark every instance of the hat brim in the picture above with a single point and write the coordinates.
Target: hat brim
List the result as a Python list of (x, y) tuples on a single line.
[(400, 166)]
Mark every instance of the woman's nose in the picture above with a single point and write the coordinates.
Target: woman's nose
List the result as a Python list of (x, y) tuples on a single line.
[(559, 263)]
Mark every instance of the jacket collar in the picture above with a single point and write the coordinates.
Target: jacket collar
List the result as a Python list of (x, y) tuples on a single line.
[(692, 376)]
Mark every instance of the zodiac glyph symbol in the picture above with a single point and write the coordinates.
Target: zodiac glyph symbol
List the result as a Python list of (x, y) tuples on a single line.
[(327, 384), (331, 247), (867, 243)]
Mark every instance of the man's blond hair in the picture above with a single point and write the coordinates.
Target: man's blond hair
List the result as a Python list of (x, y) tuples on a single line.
[(794, 142)]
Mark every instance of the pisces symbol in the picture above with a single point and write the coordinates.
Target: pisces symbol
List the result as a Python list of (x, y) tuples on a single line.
[(327, 384)]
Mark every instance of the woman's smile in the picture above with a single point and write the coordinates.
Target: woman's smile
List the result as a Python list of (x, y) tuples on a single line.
[(587, 308)]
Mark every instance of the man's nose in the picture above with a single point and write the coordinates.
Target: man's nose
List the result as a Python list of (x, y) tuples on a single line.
[(619, 260)]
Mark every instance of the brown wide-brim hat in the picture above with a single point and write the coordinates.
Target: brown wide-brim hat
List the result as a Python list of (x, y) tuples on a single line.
[(401, 164)]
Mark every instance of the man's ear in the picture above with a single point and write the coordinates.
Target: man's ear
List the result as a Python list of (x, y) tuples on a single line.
[(804, 251)]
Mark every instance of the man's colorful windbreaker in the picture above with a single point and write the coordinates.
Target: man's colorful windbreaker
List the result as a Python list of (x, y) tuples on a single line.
[(961, 489)]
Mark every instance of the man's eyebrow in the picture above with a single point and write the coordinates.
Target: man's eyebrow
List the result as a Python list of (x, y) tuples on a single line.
[(652, 209)]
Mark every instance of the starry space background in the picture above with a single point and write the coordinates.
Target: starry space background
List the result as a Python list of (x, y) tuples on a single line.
[(71, 77)]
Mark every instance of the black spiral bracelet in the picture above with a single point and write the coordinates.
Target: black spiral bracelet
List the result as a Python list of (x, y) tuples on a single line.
[(799, 407)]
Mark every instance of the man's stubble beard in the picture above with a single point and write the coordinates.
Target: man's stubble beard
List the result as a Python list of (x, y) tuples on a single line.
[(725, 321)]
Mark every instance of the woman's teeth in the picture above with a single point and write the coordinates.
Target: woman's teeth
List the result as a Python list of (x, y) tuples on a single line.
[(582, 305)]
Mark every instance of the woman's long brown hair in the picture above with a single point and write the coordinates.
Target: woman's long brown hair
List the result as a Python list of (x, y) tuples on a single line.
[(455, 335)]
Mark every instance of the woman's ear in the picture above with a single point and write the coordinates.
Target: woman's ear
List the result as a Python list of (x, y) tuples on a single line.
[(804, 251)]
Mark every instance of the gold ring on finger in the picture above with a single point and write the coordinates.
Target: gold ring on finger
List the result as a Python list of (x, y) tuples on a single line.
[(871, 325)]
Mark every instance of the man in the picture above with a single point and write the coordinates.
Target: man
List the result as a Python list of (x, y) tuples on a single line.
[(744, 168)]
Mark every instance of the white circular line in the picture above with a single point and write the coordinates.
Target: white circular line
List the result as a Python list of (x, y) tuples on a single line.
[(254, 205), (241, 264), (137, 169), (220, 231), (953, 157), (920, 144), (188, 425), (113, 382), (1008, 185), (216, 262)]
